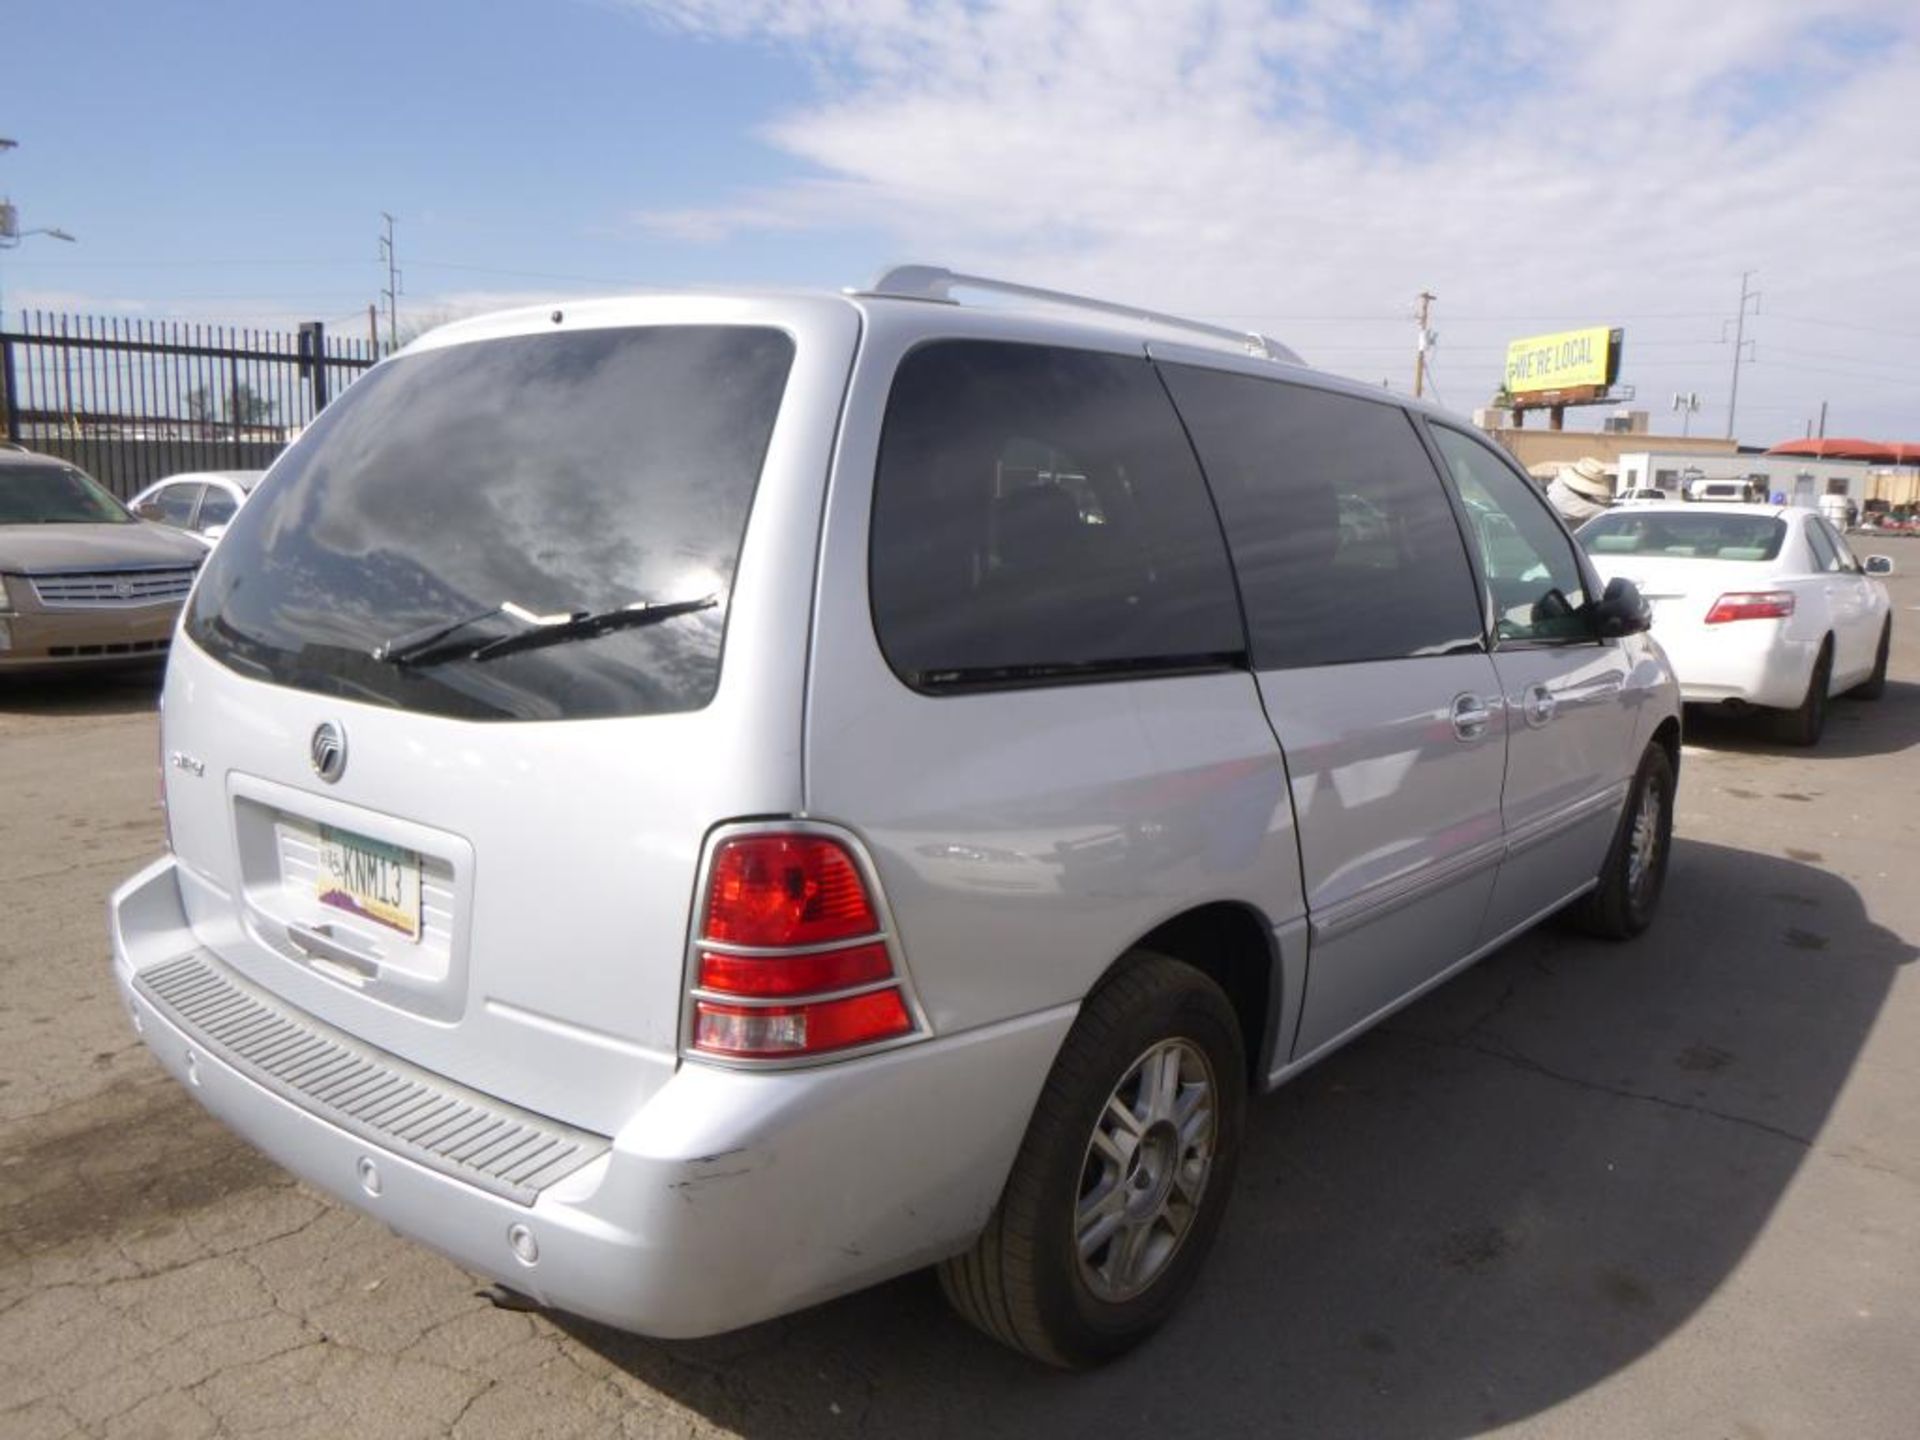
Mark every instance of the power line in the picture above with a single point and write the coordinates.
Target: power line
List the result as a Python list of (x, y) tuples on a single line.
[(1800, 368), (1845, 325), (526, 274), (1853, 357)]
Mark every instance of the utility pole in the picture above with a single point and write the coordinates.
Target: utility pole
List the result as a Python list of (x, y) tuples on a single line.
[(1740, 343), (1823, 419), (1423, 341), (392, 292)]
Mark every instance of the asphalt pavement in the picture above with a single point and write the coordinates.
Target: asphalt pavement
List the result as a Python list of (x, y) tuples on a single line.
[(1669, 1188)]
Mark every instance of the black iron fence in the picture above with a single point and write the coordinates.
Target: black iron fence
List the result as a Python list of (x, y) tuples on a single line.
[(130, 401)]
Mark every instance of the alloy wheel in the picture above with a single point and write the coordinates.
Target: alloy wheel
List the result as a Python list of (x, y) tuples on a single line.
[(1145, 1171)]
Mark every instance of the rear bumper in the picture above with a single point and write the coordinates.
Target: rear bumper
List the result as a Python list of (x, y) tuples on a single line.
[(727, 1198), (33, 638), (1755, 662)]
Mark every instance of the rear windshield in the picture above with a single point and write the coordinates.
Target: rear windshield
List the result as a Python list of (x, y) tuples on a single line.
[(56, 495), (564, 475), (1710, 535)]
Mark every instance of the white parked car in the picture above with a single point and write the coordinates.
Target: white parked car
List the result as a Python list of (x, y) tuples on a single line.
[(1644, 495), (1759, 606), (200, 502), (1742, 492)]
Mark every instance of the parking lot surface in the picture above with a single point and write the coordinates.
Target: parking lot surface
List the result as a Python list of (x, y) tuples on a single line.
[(1668, 1188)]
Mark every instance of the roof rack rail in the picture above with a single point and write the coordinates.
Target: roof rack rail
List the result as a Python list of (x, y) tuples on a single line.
[(931, 282)]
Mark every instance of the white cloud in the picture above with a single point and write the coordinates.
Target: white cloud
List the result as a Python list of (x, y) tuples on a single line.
[(1536, 164)]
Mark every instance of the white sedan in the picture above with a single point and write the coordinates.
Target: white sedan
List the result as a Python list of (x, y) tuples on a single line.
[(1756, 605), (200, 502)]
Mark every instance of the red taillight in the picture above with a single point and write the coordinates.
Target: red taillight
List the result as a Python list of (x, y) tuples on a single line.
[(772, 890), (770, 980), (812, 973), (1751, 605)]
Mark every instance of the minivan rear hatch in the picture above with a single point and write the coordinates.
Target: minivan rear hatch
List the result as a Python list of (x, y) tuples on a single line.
[(454, 690)]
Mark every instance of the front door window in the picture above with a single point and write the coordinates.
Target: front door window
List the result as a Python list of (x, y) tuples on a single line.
[(1536, 583)]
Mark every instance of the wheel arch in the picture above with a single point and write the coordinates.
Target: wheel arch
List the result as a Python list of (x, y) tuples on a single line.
[(1232, 944), (1667, 736)]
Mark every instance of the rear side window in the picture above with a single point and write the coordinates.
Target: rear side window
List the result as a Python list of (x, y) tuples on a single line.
[(566, 474), (1831, 553), (1708, 535), (173, 504), (1825, 557), (216, 508), (1038, 518), (1345, 543)]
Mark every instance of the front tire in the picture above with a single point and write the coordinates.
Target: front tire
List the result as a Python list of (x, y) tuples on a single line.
[(1635, 871), (1122, 1179)]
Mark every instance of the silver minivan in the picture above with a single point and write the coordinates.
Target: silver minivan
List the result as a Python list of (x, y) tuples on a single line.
[(694, 804)]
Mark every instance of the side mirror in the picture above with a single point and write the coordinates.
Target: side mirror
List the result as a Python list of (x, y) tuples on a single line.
[(1621, 611), (213, 533), (1879, 565)]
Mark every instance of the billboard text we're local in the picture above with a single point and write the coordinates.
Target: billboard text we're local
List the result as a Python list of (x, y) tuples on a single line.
[(1563, 361)]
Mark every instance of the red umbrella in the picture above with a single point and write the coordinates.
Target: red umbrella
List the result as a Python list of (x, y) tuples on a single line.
[(1876, 452)]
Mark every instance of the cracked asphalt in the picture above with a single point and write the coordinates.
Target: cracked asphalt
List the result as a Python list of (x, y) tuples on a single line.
[(1670, 1188)]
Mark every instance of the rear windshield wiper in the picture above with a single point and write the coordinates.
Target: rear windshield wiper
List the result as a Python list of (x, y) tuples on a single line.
[(426, 646), (590, 625), (416, 644)]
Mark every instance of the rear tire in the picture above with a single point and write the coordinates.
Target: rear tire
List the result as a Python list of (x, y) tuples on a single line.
[(1803, 724), (1875, 685), (1635, 871), (1120, 1184)]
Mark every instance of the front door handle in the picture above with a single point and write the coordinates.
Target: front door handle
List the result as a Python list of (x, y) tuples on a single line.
[(1470, 717), (1539, 705)]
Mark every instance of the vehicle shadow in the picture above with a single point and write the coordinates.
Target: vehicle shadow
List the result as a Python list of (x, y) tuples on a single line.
[(1855, 728), (107, 690), (1516, 1188)]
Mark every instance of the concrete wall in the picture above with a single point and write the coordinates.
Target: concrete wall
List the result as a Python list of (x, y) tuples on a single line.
[(1562, 447)]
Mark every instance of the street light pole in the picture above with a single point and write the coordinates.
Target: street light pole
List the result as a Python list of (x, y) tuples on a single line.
[(1688, 405), (10, 237), (10, 232)]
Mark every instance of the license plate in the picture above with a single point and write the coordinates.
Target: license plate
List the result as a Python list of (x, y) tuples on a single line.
[(371, 879)]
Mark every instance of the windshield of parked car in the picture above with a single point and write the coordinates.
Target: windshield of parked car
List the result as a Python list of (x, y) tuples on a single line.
[(566, 473), (55, 494), (1699, 535)]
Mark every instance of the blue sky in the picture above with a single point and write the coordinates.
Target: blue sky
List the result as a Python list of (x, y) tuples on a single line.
[(1302, 166), (225, 152)]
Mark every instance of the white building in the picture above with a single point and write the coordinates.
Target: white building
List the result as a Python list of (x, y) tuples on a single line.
[(1796, 479)]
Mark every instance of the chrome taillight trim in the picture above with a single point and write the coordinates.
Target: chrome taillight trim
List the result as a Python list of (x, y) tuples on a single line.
[(889, 935)]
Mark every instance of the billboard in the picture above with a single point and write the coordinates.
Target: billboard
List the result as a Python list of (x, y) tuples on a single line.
[(1564, 361)]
